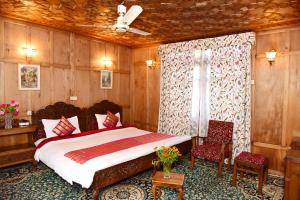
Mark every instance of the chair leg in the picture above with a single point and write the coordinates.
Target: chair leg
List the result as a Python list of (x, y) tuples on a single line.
[(260, 181), (229, 164), (192, 161), (266, 176), (220, 166), (234, 174)]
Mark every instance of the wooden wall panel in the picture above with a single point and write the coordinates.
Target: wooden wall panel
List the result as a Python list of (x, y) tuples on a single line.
[(15, 38), (269, 84), (146, 89), (69, 67), (276, 95), (293, 121), (82, 52), (97, 52), (295, 40), (97, 93), (276, 40), (61, 56), (82, 88), (61, 87), (41, 98), (40, 39)]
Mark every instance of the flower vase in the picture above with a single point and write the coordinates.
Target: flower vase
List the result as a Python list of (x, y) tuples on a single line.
[(8, 117), (167, 169)]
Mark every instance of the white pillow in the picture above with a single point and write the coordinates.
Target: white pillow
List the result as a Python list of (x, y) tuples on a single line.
[(49, 125), (100, 119)]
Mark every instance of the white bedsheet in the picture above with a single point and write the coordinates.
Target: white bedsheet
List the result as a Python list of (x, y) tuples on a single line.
[(52, 153)]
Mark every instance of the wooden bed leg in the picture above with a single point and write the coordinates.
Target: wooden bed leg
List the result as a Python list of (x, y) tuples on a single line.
[(95, 194), (34, 165)]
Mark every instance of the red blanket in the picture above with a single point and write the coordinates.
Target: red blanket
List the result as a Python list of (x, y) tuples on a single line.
[(83, 155)]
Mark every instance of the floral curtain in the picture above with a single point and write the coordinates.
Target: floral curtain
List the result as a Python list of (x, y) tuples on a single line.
[(176, 93), (227, 90), (230, 91)]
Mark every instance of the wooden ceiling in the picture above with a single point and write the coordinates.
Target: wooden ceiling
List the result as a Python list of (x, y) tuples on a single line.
[(167, 20)]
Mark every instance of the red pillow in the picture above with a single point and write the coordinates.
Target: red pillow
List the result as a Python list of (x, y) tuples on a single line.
[(111, 120), (64, 127)]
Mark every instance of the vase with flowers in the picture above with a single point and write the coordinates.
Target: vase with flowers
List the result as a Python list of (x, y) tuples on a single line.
[(166, 156), (8, 110)]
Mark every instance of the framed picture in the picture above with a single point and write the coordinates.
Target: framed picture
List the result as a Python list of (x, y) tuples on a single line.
[(29, 77), (106, 81)]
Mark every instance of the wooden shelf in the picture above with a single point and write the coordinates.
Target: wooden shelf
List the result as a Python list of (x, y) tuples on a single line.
[(17, 130), (16, 149)]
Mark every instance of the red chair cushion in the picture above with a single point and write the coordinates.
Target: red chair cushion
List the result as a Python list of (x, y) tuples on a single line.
[(111, 120), (251, 158), (219, 132), (64, 127), (208, 151)]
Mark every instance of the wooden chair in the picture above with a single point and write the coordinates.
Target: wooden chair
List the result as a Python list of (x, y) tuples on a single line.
[(217, 146)]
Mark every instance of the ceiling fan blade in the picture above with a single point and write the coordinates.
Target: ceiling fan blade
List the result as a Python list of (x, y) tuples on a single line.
[(132, 13), (138, 31)]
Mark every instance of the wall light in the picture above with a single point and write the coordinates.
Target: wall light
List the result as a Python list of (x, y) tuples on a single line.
[(271, 55), (29, 52), (150, 63), (106, 62)]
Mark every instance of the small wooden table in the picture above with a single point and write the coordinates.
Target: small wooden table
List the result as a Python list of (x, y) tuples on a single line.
[(15, 151), (175, 181)]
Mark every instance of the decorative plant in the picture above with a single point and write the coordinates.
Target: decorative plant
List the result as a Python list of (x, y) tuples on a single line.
[(12, 107), (166, 156)]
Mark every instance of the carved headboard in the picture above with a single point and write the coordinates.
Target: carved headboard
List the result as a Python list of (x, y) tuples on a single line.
[(57, 110), (86, 116), (101, 108)]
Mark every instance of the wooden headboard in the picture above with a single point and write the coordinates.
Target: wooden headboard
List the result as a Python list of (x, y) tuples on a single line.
[(86, 116), (57, 110), (101, 108)]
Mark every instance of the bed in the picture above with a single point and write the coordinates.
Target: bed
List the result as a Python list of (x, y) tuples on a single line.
[(105, 170)]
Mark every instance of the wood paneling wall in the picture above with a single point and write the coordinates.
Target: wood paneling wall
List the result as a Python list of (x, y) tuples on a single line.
[(69, 67), (275, 94), (145, 89)]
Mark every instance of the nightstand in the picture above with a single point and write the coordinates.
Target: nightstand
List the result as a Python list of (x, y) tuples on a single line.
[(175, 181), (14, 150)]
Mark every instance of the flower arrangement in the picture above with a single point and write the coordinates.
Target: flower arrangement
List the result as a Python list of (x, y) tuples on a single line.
[(12, 107), (166, 156)]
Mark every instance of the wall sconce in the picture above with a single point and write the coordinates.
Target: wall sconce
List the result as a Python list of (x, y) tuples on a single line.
[(150, 63), (271, 55), (29, 52), (106, 62)]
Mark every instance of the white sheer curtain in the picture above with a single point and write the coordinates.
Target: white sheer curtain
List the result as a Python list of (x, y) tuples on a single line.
[(201, 92)]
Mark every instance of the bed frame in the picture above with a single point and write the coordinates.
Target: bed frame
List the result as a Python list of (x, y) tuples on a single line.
[(87, 121)]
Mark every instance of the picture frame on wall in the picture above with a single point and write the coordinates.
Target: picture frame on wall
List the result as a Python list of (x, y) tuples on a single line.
[(29, 77), (106, 80)]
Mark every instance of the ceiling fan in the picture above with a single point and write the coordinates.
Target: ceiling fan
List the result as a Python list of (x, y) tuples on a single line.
[(124, 20)]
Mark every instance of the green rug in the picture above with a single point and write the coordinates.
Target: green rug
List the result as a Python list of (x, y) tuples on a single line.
[(20, 182)]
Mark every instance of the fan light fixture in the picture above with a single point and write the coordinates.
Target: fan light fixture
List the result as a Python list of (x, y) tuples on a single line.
[(271, 55)]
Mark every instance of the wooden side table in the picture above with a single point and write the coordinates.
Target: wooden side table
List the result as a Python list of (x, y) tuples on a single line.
[(175, 181), (15, 151)]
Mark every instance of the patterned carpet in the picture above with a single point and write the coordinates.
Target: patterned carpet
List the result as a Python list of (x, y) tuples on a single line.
[(21, 182)]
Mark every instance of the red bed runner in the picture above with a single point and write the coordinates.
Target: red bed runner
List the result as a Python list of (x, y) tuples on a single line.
[(82, 134), (83, 155)]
